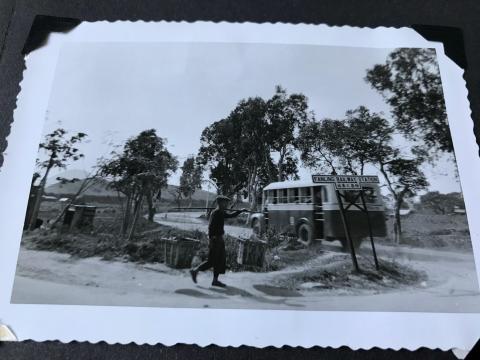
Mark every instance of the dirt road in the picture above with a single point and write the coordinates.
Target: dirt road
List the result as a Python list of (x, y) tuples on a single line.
[(192, 221), (52, 278)]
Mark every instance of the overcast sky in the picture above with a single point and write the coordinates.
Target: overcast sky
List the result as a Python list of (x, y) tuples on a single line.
[(112, 91)]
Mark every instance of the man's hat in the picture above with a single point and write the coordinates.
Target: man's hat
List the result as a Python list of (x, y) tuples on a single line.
[(222, 198)]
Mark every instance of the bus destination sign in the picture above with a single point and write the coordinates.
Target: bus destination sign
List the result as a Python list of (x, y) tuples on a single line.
[(345, 182)]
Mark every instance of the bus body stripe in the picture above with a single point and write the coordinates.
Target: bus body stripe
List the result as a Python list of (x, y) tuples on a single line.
[(326, 207), (283, 207)]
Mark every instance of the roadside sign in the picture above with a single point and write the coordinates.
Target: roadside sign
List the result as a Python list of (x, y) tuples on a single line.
[(345, 182), (368, 179), (323, 179), (351, 182), (348, 186)]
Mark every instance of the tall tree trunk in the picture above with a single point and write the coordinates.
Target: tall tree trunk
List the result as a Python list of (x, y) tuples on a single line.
[(398, 197), (38, 199), (397, 225), (280, 167), (126, 215), (136, 215), (150, 204), (179, 200), (151, 208), (252, 196)]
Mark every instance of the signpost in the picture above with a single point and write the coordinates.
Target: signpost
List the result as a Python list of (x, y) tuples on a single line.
[(351, 182)]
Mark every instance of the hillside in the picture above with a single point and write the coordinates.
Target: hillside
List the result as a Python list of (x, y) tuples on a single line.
[(102, 189)]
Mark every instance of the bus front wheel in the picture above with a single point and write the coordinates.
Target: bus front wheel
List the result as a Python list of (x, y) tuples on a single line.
[(304, 233)]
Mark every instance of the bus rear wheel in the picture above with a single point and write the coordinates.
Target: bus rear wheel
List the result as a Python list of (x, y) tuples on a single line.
[(305, 234), (346, 244)]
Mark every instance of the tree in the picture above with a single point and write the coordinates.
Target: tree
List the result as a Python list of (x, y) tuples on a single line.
[(59, 149), (237, 150), (140, 172), (367, 135), (191, 178), (344, 146), (321, 144), (176, 193), (364, 138), (371, 141), (404, 179), (441, 203), (219, 153), (254, 145), (285, 115), (410, 83)]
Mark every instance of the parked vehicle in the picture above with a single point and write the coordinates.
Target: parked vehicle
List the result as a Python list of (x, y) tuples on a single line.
[(311, 212)]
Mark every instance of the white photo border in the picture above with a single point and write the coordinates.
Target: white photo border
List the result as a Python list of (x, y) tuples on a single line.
[(259, 328)]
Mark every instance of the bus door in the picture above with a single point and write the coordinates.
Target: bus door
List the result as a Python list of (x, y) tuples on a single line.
[(318, 219)]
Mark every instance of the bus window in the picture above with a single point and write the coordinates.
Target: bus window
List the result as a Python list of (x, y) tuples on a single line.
[(305, 195), (293, 195), (308, 195), (267, 195), (283, 196), (318, 194), (324, 194), (274, 196)]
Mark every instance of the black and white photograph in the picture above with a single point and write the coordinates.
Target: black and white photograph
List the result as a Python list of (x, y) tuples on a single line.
[(246, 176)]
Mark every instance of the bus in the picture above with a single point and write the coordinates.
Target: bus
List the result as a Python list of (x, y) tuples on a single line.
[(310, 211)]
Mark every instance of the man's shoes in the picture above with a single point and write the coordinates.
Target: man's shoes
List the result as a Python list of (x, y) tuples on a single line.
[(193, 273), (218, 283)]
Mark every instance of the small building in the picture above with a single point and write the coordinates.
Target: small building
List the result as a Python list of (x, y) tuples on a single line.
[(79, 216)]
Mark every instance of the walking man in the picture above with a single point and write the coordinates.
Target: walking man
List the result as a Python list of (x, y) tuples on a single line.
[(216, 246)]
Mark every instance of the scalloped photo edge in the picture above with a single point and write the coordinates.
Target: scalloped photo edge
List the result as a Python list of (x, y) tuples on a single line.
[(147, 323)]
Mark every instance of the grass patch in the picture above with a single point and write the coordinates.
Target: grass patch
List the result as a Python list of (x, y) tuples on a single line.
[(146, 247), (448, 231), (336, 272)]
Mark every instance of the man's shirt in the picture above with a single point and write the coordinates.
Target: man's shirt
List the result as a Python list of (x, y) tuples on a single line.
[(216, 223)]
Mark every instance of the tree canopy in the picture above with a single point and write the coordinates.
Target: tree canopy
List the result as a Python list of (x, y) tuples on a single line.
[(361, 138), (140, 171), (191, 178), (60, 149), (285, 114), (346, 145), (254, 145), (410, 83), (441, 203)]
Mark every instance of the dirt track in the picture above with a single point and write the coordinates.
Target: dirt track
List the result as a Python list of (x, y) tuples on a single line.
[(191, 221), (52, 278)]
